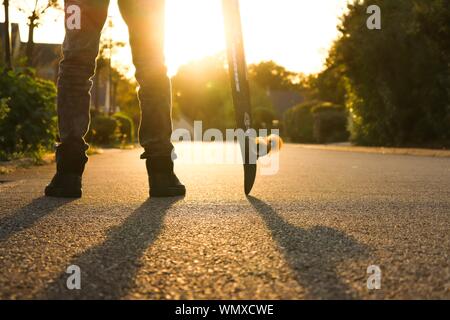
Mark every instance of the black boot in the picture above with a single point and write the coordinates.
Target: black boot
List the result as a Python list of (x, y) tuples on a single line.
[(70, 162), (162, 180)]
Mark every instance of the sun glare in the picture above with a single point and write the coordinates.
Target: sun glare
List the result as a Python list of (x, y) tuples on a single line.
[(296, 34), (194, 29)]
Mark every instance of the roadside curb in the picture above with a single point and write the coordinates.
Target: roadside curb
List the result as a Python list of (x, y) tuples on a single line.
[(382, 150), (7, 167)]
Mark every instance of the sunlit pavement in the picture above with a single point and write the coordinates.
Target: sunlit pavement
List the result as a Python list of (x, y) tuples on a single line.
[(311, 231)]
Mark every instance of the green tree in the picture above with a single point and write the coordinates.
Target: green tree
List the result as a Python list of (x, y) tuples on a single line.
[(329, 85), (202, 92), (397, 79), (271, 76)]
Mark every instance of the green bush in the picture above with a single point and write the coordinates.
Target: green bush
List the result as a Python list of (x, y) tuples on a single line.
[(299, 122), (126, 127), (110, 130), (27, 114), (316, 122), (330, 123), (104, 130)]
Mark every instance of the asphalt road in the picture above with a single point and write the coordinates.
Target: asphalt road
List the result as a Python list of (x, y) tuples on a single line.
[(311, 231)]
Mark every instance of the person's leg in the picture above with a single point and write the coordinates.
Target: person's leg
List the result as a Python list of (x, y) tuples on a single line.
[(145, 20), (80, 49)]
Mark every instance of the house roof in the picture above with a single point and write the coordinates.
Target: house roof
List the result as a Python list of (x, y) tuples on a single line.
[(44, 53)]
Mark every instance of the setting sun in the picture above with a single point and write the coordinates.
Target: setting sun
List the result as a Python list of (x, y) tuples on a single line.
[(296, 34)]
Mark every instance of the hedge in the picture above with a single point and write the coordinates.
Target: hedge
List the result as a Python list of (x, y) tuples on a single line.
[(126, 127), (316, 122), (27, 114), (110, 130)]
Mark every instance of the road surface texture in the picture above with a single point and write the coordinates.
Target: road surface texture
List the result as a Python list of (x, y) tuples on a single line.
[(309, 232)]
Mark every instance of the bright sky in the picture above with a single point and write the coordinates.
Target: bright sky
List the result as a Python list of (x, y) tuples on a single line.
[(295, 33)]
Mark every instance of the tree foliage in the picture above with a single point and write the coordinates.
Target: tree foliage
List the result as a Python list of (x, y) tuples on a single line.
[(270, 76), (27, 114), (202, 92), (395, 81)]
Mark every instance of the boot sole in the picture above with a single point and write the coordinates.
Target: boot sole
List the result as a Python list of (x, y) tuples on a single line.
[(166, 193), (62, 193)]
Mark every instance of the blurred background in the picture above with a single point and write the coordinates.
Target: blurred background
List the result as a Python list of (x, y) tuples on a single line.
[(316, 72)]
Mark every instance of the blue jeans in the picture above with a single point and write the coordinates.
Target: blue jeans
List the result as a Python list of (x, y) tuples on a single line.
[(145, 20)]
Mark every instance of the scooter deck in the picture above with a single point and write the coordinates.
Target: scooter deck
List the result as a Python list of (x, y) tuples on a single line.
[(240, 87)]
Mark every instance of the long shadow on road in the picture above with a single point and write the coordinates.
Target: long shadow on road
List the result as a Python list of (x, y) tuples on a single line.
[(313, 254), (108, 269), (29, 215)]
